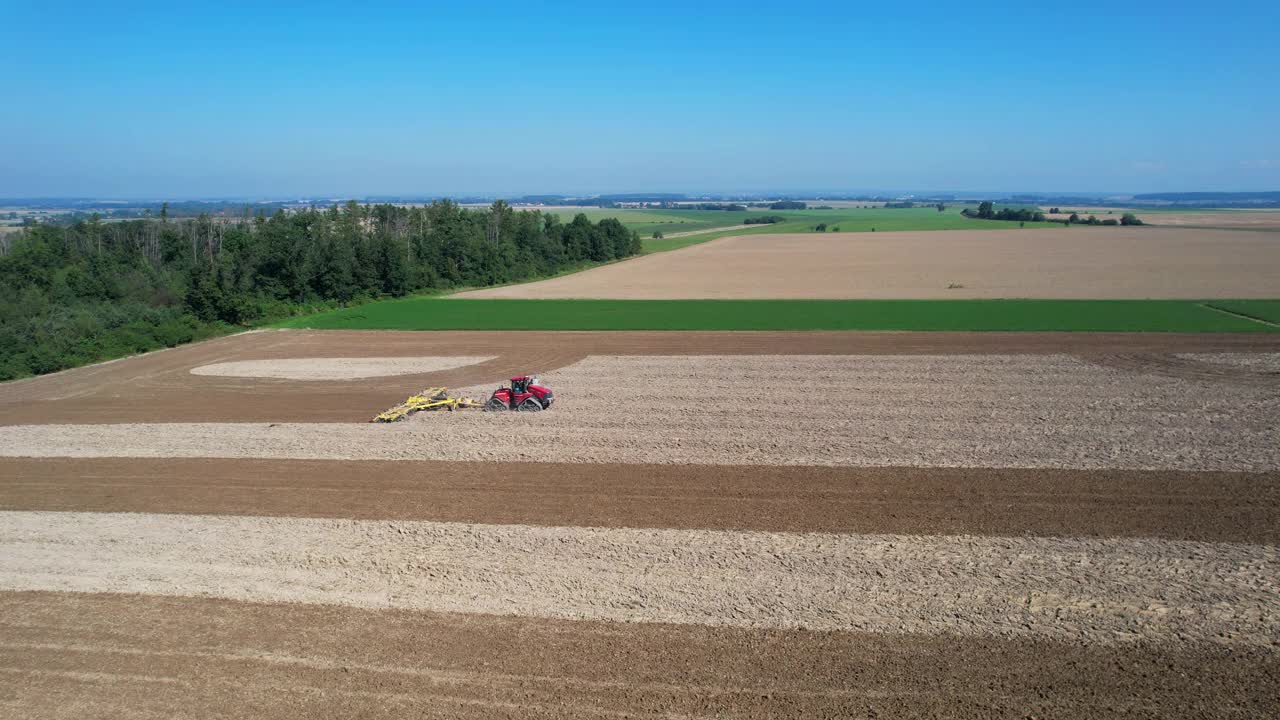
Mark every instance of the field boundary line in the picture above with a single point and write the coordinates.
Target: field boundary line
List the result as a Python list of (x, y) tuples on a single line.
[(1241, 315)]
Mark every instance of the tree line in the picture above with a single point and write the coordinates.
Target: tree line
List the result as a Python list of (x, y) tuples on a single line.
[(92, 290), (1075, 219), (986, 211)]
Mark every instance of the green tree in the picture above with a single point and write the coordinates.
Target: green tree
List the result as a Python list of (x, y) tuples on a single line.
[(87, 290)]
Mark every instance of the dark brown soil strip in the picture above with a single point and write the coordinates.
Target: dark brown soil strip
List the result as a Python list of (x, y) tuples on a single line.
[(125, 656), (1209, 506)]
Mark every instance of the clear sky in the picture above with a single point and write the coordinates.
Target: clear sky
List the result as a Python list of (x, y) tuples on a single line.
[(182, 99)]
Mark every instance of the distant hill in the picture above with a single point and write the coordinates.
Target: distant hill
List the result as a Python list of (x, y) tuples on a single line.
[(1213, 198)]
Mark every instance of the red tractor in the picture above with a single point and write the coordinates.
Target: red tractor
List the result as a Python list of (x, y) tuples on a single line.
[(525, 394)]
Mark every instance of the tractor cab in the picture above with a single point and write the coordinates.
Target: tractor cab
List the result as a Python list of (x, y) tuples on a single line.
[(524, 394)]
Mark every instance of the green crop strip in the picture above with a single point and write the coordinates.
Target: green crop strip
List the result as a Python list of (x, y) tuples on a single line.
[(921, 315)]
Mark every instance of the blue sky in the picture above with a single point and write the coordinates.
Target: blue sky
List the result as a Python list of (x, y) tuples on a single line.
[(229, 99)]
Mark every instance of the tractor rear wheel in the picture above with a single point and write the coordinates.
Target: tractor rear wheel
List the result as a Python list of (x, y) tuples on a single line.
[(495, 405), (530, 405)]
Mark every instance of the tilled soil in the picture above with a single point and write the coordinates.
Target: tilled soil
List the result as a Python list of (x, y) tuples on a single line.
[(1233, 220), (159, 386), (988, 592), (1266, 364), (920, 411), (335, 368), (1056, 262), (1137, 589), (70, 655), (1221, 507)]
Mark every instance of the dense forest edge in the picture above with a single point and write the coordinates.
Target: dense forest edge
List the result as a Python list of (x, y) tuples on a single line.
[(94, 291)]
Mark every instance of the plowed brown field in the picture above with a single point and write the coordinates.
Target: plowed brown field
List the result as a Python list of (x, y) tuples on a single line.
[(705, 525), (72, 656), (1078, 262)]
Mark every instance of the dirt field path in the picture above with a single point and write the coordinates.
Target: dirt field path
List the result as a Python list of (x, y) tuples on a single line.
[(689, 233), (1050, 263)]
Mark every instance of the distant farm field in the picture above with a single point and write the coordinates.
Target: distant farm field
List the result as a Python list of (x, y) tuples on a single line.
[(681, 228), (1056, 262), (1224, 218)]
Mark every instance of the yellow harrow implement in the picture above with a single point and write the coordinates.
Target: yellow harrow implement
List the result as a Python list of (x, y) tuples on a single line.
[(430, 399)]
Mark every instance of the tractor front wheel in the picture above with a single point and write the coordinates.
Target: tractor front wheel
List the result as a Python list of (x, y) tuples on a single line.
[(530, 405)]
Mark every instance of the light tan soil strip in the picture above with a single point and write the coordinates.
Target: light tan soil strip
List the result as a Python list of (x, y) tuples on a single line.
[(1225, 507), (839, 411), (335, 368), (1083, 590), (517, 438), (1055, 262), (1263, 363), (68, 655), (159, 387)]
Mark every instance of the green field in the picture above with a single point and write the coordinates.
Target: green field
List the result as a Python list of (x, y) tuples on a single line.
[(670, 222), (978, 315)]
